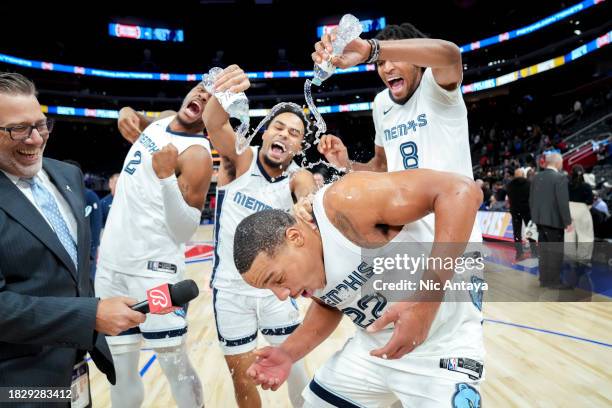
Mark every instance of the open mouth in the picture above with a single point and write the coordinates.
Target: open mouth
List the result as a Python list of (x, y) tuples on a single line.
[(307, 293), (28, 155), (277, 149), (194, 108), (395, 84)]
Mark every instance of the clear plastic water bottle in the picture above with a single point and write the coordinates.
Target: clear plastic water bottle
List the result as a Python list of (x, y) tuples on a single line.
[(348, 29), (235, 104)]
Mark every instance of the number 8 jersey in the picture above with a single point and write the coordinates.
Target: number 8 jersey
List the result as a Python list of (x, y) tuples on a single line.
[(136, 235), (429, 131)]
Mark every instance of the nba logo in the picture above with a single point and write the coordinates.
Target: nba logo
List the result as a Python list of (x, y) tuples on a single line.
[(452, 364)]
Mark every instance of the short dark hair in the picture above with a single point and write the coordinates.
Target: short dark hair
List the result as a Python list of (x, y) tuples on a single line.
[(263, 231), (399, 32), (12, 83), (296, 110)]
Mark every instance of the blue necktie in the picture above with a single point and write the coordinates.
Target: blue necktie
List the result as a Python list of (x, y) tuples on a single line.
[(46, 202)]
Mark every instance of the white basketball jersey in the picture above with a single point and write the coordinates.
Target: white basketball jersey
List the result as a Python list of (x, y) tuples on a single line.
[(136, 239), (456, 328), (429, 131), (253, 191)]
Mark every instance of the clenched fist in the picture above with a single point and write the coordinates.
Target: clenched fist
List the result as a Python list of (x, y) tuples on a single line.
[(165, 161), (129, 124)]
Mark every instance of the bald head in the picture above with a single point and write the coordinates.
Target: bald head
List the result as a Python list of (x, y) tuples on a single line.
[(554, 160), (519, 173)]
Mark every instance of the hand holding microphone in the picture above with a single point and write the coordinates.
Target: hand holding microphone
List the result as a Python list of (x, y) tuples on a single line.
[(118, 314), (167, 298)]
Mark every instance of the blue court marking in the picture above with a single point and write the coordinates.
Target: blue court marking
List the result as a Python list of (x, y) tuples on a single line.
[(147, 365), (522, 326)]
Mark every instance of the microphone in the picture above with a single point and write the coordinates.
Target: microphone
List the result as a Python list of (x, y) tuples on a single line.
[(166, 298)]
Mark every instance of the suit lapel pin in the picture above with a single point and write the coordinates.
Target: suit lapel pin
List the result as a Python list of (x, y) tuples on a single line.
[(68, 188)]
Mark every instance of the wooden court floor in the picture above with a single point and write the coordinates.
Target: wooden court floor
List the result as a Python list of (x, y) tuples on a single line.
[(539, 354)]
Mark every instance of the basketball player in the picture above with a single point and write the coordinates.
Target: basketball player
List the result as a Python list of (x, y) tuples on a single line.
[(156, 209), (259, 178), (420, 118), (378, 366), (421, 109)]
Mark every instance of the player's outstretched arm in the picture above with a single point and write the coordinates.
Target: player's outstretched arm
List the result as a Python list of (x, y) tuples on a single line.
[(442, 56), (362, 202), (217, 123), (273, 364)]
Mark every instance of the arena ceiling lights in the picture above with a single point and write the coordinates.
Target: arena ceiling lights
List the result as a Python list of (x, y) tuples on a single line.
[(159, 76), (573, 55)]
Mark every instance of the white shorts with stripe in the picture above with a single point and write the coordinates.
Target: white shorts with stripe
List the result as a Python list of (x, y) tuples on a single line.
[(157, 330), (352, 378), (240, 317)]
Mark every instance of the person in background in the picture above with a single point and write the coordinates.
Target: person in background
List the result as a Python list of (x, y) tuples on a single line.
[(549, 205), (518, 196), (581, 237), (319, 179), (107, 201), (93, 212), (599, 204)]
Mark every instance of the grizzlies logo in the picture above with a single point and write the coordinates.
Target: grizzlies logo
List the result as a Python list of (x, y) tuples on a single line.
[(466, 396), (181, 312), (476, 294)]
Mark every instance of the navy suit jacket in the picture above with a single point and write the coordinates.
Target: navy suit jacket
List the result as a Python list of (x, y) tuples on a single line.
[(48, 312)]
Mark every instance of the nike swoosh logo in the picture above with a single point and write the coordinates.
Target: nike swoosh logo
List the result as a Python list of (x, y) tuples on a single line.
[(387, 111)]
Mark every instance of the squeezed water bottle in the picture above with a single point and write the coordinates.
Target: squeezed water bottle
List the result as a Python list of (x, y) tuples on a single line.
[(348, 29), (235, 104)]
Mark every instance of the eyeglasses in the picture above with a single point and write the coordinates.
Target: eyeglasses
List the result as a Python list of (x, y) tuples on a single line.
[(20, 133)]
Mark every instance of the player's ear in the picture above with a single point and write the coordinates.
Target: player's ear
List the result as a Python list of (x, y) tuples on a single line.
[(294, 236)]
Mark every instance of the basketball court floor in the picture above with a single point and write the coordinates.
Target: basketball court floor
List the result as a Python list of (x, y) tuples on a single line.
[(539, 354)]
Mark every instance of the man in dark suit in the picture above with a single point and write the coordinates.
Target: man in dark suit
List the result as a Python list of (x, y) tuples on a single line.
[(518, 195), (49, 318), (549, 204)]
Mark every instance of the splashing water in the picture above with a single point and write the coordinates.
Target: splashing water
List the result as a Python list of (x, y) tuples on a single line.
[(247, 140), (320, 123), (235, 104)]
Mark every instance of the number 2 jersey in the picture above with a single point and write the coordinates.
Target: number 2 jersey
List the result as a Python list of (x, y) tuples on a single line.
[(429, 131), (136, 238), (456, 329)]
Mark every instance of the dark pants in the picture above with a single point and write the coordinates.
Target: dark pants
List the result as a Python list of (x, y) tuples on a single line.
[(551, 254), (520, 216)]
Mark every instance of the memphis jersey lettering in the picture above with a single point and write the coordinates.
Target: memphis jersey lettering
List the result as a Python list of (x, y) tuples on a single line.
[(250, 203), (353, 282), (252, 192), (136, 232), (148, 144), (429, 131), (456, 328), (403, 128)]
